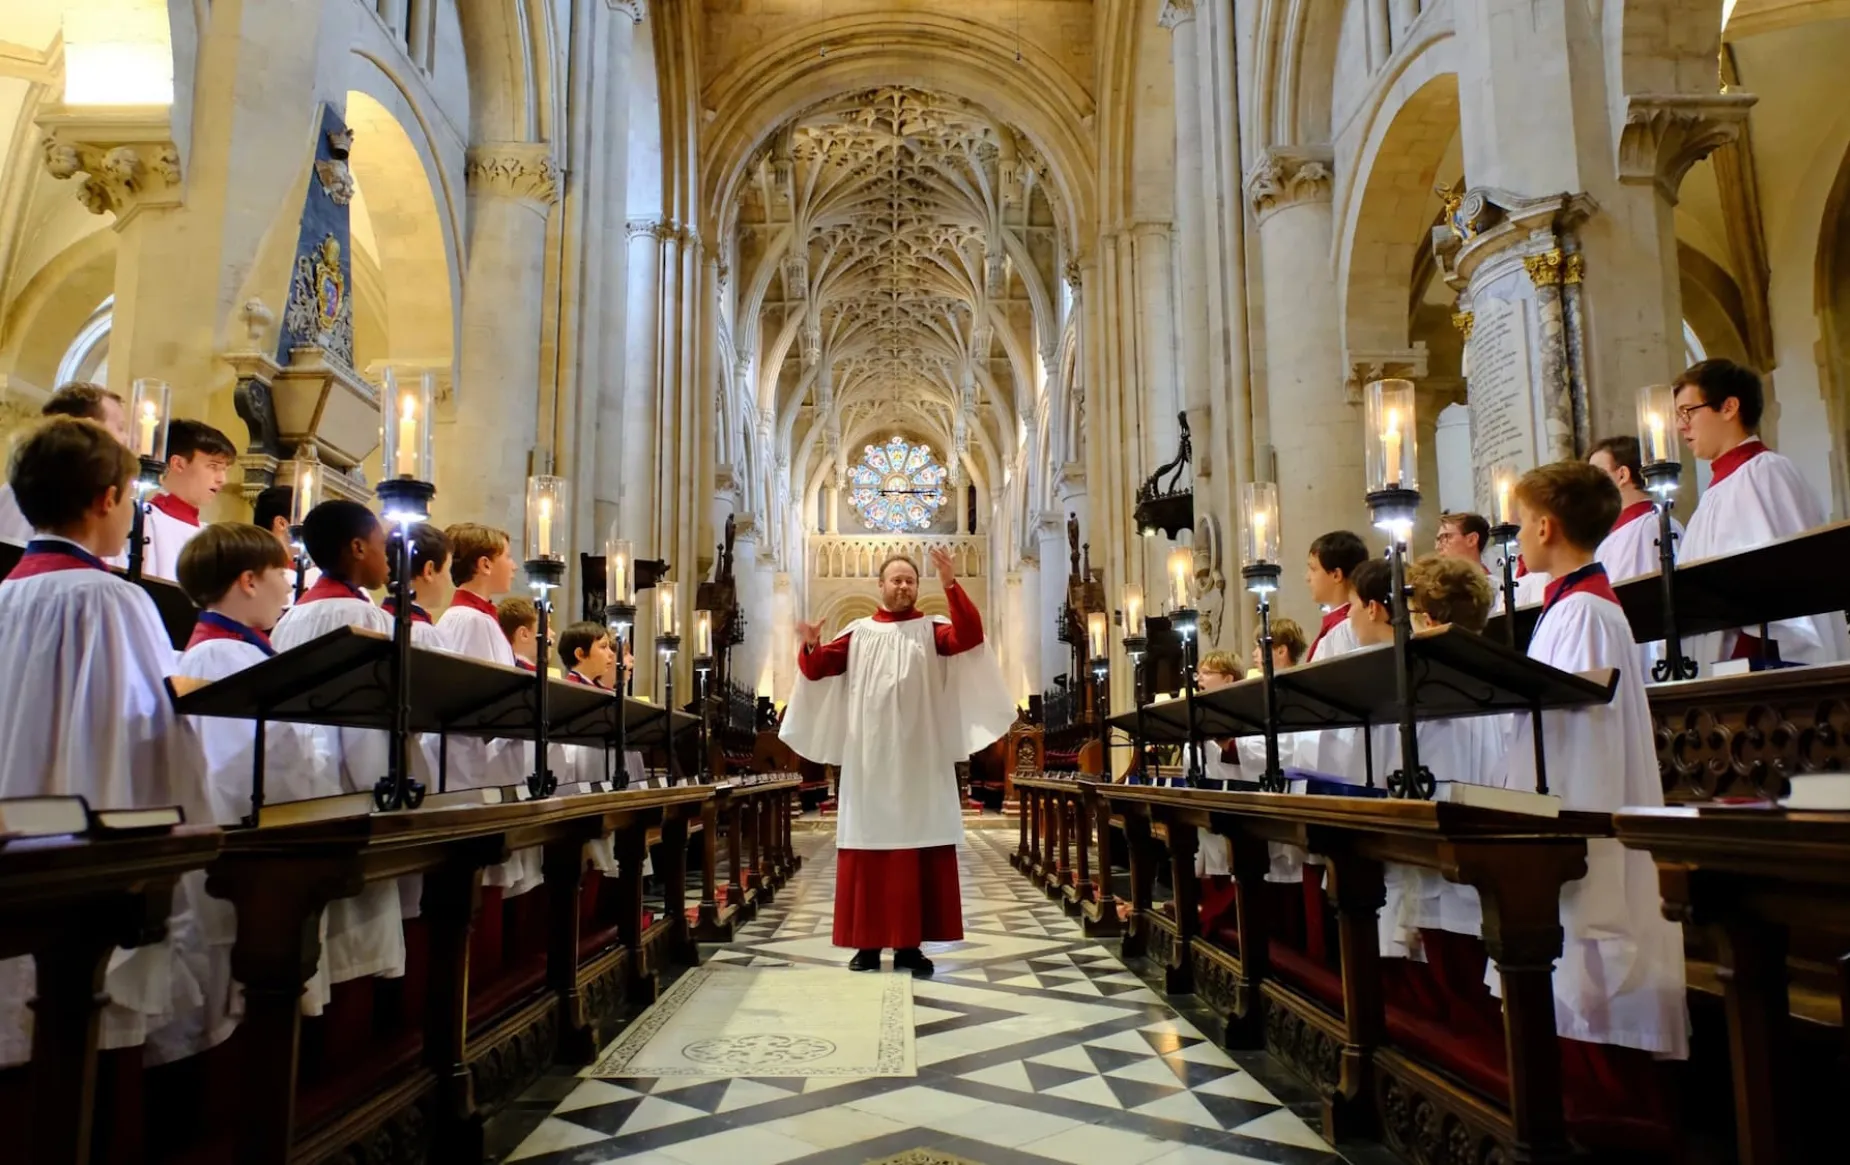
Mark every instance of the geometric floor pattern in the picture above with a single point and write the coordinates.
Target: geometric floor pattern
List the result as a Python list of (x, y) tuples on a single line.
[(1034, 1045)]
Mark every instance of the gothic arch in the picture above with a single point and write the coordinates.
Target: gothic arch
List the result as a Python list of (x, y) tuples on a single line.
[(514, 92)]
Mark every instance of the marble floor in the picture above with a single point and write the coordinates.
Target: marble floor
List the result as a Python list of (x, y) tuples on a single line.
[(1034, 1045)]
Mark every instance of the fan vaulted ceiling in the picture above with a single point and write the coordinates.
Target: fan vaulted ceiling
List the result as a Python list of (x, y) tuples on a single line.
[(909, 215)]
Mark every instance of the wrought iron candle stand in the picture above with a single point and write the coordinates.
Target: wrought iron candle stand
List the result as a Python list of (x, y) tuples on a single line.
[(147, 479), (621, 619), (406, 501), (1662, 479), (667, 643), (1393, 510), (1187, 621), (1261, 578), (1504, 535), (543, 575), (1137, 647), (1101, 706)]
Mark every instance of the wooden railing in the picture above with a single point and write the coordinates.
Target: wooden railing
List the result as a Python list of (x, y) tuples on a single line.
[(858, 556), (494, 993)]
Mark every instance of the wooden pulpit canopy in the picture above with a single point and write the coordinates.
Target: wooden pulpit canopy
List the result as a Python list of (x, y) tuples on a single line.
[(1455, 674)]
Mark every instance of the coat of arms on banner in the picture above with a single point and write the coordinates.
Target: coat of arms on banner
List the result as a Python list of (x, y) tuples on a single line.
[(319, 311)]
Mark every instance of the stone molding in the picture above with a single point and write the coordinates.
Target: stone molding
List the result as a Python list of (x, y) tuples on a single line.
[(1550, 267), (1285, 177), (1371, 365), (661, 230), (129, 161), (633, 9), (1667, 133), (526, 171), (1176, 12), (1486, 221)]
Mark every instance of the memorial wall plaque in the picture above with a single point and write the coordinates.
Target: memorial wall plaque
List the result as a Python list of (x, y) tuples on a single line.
[(1501, 395)]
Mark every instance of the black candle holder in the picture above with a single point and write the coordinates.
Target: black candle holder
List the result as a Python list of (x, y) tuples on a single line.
[(1136, 648), (543, 575), (405, 501), (1101, 709), (298, 554), (621, 619), (1261, 579), (703, 674), (1661, 479), (666, 646), (147, 479), (1187, 621), (1412, 780), (1503, 534)]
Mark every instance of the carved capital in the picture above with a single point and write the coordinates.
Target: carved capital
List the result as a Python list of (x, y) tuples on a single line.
[(128, 162), (525, 171), (1574, 269), (1287, 177), (1544, 268), (630, 8), (1665, 134), (1368, 366), (1464, 321), (1176, 12)]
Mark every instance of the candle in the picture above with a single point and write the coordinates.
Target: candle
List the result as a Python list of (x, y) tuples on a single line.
[(1390, 447), (1095, 633), (408, 438), (144, 436), (1659, 446), (1133, 611), (1181, 565), (1259, 534), (620, 576), (703, 633), (664, 611), (546, 527), (1503, 500)]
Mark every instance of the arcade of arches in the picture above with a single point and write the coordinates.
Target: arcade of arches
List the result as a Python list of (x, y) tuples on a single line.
[(705, 258)]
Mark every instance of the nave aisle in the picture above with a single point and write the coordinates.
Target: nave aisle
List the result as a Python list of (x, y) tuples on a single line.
[(1033, 1045)]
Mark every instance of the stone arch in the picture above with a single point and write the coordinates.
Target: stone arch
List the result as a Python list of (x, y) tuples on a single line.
[(1294, 72), (844, 609), (46, 315), (510, 47), (1389, 216)]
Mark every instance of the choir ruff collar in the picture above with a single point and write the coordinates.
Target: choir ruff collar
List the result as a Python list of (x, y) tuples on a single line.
[(329, 587), (1736, 457), (176, 508), (48, 555), (1588, 580), (1632, 513), (212, 625), (418, 614), (882, 615), (471, 601), (1331, 621)]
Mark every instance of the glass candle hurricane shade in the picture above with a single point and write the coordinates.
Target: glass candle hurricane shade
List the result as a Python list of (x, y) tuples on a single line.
[(305, 494), (1133, 611), (148, 416), (1258, 523), (666, 615), (619, 569), (547, 508), (405, 408), (1657, 410), (1181, 567), (1393, 447)]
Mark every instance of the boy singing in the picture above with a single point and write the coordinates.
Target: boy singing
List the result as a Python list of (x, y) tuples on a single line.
[(198, 458)]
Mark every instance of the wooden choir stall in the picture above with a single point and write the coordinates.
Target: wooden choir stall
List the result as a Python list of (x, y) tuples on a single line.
[(495, 990)]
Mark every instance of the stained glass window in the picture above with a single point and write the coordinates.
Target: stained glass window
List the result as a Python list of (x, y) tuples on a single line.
[(897, 486)]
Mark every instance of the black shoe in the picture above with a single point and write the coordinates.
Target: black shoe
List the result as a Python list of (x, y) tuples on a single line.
[(914, 960), (865, 961)]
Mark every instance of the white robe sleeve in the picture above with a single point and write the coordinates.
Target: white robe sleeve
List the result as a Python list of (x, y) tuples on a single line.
[(816, 719), (299, 762), (980, 711), (13, 525)]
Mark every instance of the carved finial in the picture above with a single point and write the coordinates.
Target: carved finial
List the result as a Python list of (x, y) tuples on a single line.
[(257, 320)]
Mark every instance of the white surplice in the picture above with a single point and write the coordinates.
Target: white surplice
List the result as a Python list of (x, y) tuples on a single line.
[(1529, 591), (86, 710), (166, 537), (13, 525), (1620, 979), (480, 764), (1763, 500), (896, 723), (365, 933), (1629, 551)]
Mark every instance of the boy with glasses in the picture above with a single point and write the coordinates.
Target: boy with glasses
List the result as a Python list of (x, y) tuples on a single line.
[(1755, 496)]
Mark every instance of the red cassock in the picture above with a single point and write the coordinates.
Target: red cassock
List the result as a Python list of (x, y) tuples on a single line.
[(890, 892)]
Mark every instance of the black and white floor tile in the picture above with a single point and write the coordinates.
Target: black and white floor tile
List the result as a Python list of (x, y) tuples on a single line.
[(1035, 1045)]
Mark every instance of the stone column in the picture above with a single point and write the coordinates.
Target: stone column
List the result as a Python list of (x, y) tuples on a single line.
[(749, 659), (1314, 422), (1050, 533), (1652, 101), (601, 342), (487, 431), (1190, 234), (640, 426)]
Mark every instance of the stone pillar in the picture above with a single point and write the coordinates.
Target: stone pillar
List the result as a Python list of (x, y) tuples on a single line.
[(831, 504), (641, 419), (1649, 98), (1050, 533), (1190, 235), (1314, 422), (599, 447), (750, 658), (487, 431)]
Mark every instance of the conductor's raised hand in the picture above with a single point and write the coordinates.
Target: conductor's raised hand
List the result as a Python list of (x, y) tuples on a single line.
[(944, 564), (809, 634)]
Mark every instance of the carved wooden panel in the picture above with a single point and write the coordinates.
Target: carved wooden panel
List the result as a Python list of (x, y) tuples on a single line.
[(1309, 1042), (1744, 736), (1430, 1121)]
